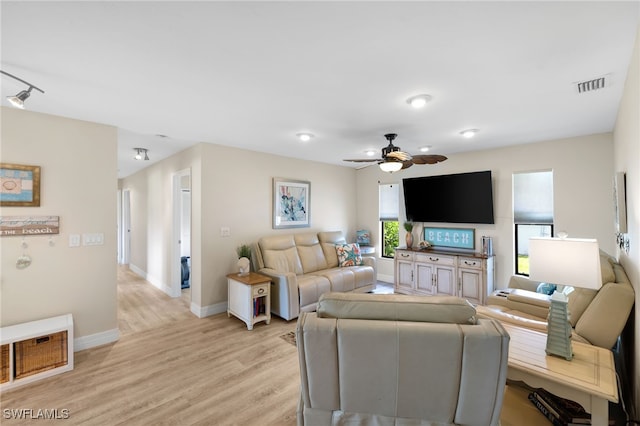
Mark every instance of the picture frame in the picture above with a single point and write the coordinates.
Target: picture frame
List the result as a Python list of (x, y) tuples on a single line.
[(620, 202), (19, 185), (291, 203)]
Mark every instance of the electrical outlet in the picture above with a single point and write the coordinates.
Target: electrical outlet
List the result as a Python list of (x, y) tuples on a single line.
[(225, 231)]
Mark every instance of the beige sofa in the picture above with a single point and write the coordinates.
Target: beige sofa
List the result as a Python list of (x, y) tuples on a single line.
[(597, 316), (388, 359), (304, 266)]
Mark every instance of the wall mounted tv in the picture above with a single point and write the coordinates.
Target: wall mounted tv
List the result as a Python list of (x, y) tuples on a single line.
[(456, 198)]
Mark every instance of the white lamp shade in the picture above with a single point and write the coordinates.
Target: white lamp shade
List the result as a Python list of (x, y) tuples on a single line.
[(565, 261)]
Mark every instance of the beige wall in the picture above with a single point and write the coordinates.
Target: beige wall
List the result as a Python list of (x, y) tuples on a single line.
[(234, 190), (627, 159), (582, 169), (78, 184)]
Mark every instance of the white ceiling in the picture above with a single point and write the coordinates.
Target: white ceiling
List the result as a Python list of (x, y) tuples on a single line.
[(253, 74)]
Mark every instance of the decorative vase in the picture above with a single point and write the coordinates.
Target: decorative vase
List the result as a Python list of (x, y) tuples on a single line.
[(409, 239), (243, 266)]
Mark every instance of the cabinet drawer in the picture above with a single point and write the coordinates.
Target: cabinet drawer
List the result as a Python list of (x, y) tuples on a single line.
[(260, 290), (404, 255), (470, 262), (436, 258)]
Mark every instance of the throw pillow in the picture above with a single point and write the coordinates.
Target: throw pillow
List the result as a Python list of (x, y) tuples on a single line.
[(546, 288), (348, 254)]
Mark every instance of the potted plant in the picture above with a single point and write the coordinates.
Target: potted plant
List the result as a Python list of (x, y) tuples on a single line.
[(244, 259), (408, 226)]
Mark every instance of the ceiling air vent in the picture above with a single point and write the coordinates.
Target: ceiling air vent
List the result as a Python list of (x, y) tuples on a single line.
[(590, 85)]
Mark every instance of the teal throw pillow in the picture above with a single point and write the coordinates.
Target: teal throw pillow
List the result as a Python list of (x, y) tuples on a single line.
[(546, 288), (348, 254)]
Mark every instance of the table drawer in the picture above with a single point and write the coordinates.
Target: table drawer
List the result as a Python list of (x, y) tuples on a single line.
[(436, 258), (260, 290), (404, 255), (470, 262)]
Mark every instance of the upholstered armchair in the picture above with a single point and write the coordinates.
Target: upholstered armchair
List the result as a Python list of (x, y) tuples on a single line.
[(387, 359)]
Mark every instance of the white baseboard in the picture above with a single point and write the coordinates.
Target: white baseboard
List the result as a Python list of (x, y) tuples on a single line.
[(137, 270), (93, 340), (385, 278), (157, 283), (206, 311)]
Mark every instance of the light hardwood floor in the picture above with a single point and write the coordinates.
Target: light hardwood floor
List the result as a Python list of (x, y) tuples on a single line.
[(172, 368)]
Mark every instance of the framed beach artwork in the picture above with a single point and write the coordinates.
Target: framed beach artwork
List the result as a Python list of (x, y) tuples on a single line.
[(19, 185), (291, 203)]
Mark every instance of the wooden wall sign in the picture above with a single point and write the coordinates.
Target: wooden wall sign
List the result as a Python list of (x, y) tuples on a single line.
[(450, 237), (29, 225)]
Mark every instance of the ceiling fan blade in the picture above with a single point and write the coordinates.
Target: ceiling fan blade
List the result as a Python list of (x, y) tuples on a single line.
[(399, 155), (406, 164), (364, 160), (428, 159)]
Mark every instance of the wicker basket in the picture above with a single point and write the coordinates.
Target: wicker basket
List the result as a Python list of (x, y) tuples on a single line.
[(4, 358), (39, 354)]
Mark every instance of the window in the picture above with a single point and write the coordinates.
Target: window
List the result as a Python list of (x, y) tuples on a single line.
[(388, 210), (532, 213)]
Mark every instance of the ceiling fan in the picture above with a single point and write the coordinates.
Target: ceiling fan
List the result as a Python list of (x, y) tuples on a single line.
[(393, 159)]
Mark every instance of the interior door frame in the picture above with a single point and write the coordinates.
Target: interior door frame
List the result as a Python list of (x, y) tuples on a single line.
[(124, 226), (176, 266)]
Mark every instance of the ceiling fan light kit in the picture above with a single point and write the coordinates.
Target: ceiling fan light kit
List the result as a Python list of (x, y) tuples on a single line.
[(390, 166), (394, 159), (18, 100)]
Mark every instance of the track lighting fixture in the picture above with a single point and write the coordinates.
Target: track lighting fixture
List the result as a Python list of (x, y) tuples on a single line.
[(18, 100), (141, 153)]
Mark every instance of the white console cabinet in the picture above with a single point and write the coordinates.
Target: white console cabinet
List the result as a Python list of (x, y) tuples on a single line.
[(444, 273)]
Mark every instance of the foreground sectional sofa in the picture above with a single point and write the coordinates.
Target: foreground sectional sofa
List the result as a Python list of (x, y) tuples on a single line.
[(304, 266), (388, 359)]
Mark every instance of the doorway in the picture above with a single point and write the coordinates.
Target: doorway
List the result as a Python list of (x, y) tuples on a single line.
[(181, 252), (124, 226)]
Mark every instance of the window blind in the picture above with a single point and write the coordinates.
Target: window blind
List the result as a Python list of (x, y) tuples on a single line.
[(533, 197), (389, 201)]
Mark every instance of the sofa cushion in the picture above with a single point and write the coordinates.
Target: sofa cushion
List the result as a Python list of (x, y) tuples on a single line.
[(606, 268), (341, 279), (348, 255), (310, 287), (578, 299), (396, 307), (280, 254), (328, 240), (310, 252)]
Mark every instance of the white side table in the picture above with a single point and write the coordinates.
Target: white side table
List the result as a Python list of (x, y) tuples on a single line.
[(249, 298)]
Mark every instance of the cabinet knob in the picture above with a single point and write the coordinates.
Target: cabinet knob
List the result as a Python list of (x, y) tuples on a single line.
[(434, 259)]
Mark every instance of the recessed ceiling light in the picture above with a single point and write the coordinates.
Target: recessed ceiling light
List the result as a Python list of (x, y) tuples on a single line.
[(419, 101), (425, 148), (469, 133), (370, 152), (304, 137)]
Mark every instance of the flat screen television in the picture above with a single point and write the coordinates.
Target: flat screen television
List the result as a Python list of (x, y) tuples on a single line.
[(456, 198)]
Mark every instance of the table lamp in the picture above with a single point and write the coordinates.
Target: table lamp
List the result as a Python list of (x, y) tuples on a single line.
[(570, 262)]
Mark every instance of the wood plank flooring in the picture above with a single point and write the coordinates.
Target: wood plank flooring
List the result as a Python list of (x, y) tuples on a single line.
[(172, 368)]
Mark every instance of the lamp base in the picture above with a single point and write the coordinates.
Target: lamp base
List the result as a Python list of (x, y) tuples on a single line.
[(559, 328)]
